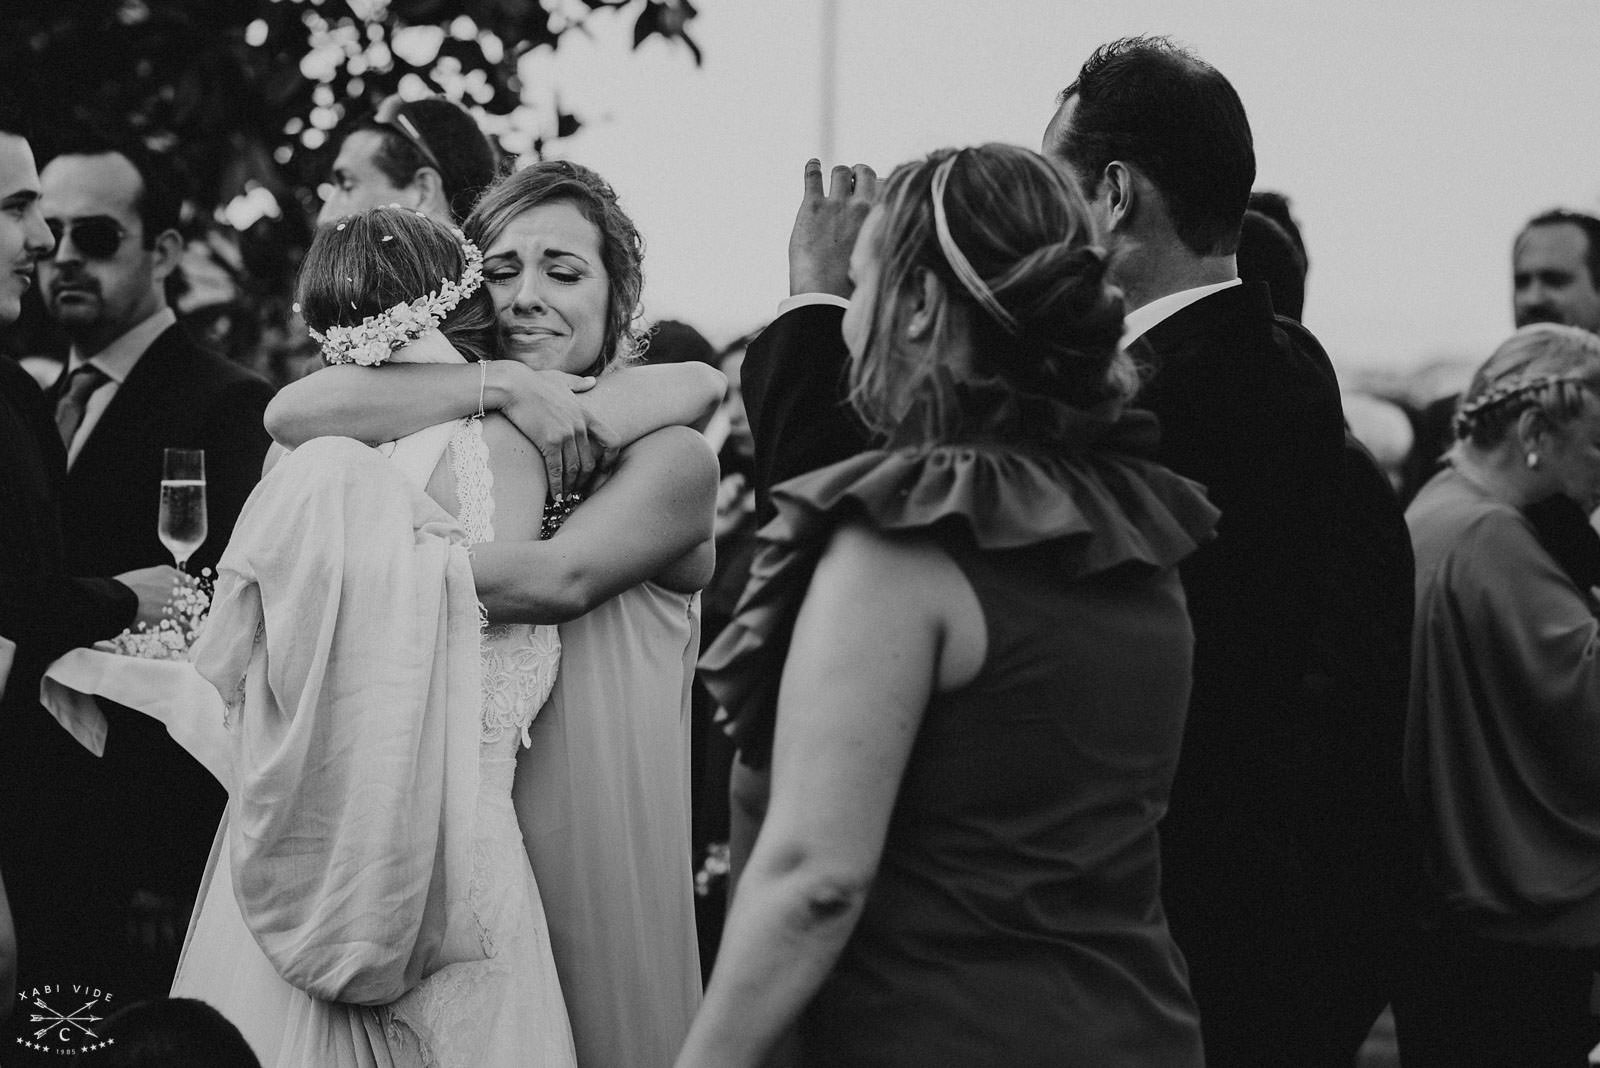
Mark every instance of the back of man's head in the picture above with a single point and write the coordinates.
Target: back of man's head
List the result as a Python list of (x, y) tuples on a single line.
[(1268, 254), (1159, 108), (435, 132)]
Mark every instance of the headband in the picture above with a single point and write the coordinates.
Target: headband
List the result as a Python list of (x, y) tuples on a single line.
[(953, 255)]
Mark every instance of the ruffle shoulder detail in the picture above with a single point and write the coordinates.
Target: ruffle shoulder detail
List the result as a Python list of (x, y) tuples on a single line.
[(1095, 509)]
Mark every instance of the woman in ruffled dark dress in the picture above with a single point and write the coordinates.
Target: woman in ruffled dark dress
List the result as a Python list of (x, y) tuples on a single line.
[(984, 657)]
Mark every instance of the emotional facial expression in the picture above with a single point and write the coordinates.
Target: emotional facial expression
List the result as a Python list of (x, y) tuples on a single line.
[(358, 184), (550, 288), (1550, 278), (24, 238)]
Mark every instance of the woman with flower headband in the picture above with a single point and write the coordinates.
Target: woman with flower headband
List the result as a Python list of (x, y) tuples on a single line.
[(602, 791), (1502, 762), (370, 900), (984, 655)]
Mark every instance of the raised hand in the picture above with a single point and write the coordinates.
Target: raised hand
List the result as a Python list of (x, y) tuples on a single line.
[(826, 226)]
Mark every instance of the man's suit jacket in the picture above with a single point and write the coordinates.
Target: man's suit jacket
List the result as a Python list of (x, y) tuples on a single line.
[(1249, 407), (177, 396), (42, 609), (50, 787), (793, 381), (164, 805)]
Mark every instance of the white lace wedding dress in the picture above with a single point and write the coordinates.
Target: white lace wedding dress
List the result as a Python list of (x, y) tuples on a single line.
[(502, 1011)]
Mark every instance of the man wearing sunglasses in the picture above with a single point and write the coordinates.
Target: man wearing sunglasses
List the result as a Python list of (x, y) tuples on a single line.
[(135, 385), (49, 800), (425, 154)]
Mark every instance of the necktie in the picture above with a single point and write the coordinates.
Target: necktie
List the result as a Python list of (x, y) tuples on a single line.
[(69, 409)]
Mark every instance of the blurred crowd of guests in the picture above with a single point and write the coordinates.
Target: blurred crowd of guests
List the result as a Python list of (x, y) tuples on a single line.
[(1369, 808)]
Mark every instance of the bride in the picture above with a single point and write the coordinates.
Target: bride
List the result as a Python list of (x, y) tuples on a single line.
[(369, 900)]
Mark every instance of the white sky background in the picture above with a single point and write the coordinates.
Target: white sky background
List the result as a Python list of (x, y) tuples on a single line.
[(1413, 138)]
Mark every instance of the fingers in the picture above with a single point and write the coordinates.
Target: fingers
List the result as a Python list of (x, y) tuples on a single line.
[(555, 467), (575, 383), (840, 182), (864, 181), (813, 178)]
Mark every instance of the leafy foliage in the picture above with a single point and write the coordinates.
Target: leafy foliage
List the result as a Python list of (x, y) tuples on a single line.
[(252, 96)]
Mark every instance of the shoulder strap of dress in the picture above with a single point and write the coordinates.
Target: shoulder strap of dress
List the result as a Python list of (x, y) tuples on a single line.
[(469, 462)]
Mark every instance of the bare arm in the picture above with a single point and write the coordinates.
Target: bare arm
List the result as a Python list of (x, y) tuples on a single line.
[(651, 519), (570, 430), (633, 401), (871, 643)]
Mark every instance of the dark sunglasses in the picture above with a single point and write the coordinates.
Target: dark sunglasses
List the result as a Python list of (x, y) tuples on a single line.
[(97, 237), (390, 115)]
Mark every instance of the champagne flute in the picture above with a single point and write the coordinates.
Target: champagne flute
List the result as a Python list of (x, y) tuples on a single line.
[(183, 503)]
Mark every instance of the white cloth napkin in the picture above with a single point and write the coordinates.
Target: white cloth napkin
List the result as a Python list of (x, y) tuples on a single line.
[(170, 691)]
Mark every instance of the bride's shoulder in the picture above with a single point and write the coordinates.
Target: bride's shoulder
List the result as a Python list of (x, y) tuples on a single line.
[(520, 483)]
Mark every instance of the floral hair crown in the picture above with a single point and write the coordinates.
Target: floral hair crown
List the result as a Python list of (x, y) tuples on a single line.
[(374, 339)]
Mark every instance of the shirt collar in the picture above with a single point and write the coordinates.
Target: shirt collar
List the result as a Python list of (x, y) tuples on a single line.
[(117, 359), (1143, 319)]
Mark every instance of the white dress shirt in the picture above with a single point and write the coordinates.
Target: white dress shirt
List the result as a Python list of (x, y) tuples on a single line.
[(1142, 319), (116, 360)]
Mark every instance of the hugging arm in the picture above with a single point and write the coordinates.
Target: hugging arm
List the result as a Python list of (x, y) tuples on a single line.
[(651, 519), (572, 430)]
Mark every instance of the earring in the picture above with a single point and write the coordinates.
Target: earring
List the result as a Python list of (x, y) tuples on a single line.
[(1533, 461)]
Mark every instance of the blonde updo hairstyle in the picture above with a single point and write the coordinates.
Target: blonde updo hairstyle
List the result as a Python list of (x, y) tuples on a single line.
[(1025, 229), (1545, 366)]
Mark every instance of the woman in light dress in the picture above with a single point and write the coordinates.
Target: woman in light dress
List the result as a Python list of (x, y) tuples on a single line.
[(601, 793), (505, 1007)]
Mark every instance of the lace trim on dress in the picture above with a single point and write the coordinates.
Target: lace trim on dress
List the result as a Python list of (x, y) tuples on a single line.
[(455, 995), (469, 462), (517, 678)]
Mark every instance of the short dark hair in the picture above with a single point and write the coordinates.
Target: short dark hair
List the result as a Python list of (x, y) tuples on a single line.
[(170, 1033), (1268, 254), (466, 160), (1276, 206), (1149, 103), (671, 341), (16, 118), (1563, 217), (163, 184)]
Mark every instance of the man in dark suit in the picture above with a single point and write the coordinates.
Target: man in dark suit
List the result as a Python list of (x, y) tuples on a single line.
[(1283, 855), (48, 783), (1285, 864), (135, 385)]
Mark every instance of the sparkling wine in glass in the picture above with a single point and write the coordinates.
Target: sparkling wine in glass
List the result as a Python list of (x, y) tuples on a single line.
[(183, 503)]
